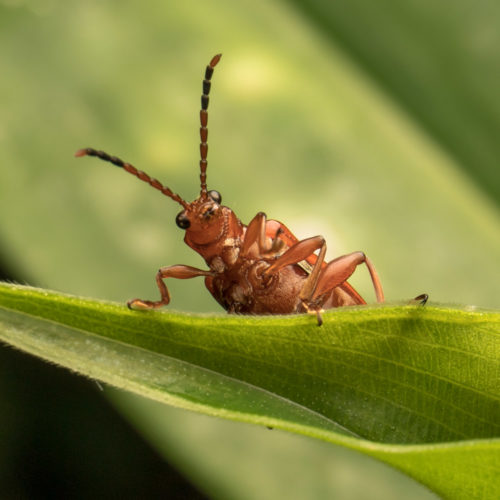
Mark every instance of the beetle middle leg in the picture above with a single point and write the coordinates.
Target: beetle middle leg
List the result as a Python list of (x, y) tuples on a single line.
[(299, 252), (324, 278), (178, 271)]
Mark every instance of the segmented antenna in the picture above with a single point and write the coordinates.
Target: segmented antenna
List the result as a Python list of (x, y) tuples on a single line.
[(132, 170), (203, 121)]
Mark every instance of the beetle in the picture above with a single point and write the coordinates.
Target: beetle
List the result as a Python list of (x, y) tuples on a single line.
[(259, 268)]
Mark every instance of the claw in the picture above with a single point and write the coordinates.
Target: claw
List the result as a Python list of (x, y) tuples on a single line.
[(421, 299), (138, 305), (317, 312)]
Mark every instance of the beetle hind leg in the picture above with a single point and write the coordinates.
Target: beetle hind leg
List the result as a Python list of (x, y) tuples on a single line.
[(340, 269)]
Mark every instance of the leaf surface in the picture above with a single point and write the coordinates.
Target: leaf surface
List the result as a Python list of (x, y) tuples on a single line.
[(414, 387)]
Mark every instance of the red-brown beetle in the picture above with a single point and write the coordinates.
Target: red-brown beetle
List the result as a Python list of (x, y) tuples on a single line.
[(261, 268)]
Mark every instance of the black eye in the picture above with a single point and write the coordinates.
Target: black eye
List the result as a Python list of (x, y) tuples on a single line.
[(182, 220), (215, 195)]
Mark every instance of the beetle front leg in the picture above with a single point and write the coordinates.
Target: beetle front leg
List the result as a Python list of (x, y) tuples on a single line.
[(255, 236), (178, 271), (256, 244)]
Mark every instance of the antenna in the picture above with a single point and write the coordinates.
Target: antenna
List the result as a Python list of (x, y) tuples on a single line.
[(132, 170), (203, 122), (203, 147)]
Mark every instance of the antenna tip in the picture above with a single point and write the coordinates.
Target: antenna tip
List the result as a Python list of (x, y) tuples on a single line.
[(215, 60), (82, 152)]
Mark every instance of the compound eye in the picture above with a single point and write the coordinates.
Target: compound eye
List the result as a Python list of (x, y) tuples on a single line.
[(182, 220), (215, 195)]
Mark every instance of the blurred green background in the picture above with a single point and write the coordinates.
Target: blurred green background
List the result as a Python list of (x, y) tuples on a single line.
[(372, 123)]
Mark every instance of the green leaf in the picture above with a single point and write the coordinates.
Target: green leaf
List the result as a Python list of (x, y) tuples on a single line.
[(417, 388)]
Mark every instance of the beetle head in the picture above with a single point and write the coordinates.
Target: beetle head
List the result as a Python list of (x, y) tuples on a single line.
[(203, 218)]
